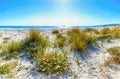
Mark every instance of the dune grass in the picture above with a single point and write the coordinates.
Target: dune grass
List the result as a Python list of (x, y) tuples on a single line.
[(34, 42), (79, 40), (111, 33), (60, 39), (116, 32), (105, 31), (115, 56), (91, 30), (52, 63), (55, 31), (8, 67), (13, 49)]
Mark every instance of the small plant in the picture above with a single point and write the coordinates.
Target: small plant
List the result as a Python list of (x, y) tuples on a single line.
[(52, 63), (55, 31), (115, 56), (60, 40), (20, 68), (114, 51), (7, 68), (5, 40)]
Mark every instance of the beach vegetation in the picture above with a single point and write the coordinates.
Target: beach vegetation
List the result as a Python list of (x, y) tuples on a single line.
[(104, 38), (91, 30), (116, 32), (79, 40), (13, 49), (60, 40), (105, 31), (55, 31), (34, 42), (52, 63), (5, 40), (115, 56), (8, 67)]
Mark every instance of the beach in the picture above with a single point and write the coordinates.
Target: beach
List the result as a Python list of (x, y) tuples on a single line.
[(87, 65)]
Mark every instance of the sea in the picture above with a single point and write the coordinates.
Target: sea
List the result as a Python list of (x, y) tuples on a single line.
[(49, 27)]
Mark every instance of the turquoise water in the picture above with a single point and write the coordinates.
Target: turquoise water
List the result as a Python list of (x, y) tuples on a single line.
[(27, 27), (89, 27), (46, 27)]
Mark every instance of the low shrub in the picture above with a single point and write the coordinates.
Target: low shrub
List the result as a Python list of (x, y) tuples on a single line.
[(55, 31), (52, 63), (7, 68)]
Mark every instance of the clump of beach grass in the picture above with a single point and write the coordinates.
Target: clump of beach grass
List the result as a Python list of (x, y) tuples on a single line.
[(35, 42), (52, 63), (116, 32), (79, 40), (60, 39), (13, 49), (105, 31), (115, 56), (8, 67), (55, 31), (91, 30)]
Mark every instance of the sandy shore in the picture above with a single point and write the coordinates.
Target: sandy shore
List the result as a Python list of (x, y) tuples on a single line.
[(89, 67)]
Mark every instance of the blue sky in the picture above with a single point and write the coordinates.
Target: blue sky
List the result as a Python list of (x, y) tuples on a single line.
[(59, 12)]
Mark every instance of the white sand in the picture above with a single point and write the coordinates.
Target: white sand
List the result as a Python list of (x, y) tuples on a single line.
[(89, 64)]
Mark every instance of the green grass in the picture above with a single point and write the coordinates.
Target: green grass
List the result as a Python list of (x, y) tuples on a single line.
[(52, 63), (7, 68)]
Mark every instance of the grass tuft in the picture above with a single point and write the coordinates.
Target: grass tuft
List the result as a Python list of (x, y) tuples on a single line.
[(7, 68), (79, 40), (115, 56), (90, 30), (60, 40), (55, 31)]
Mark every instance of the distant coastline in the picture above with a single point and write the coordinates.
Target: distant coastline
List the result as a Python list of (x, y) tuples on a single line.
[(56, 27)]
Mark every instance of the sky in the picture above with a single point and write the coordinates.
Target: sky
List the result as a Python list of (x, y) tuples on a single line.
[(59, 12)]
